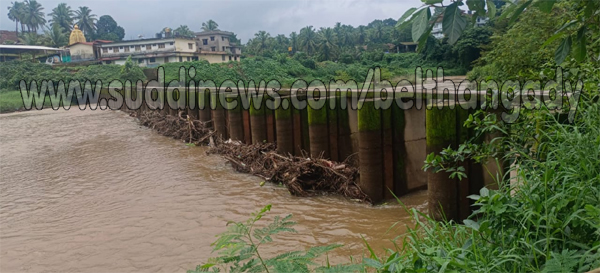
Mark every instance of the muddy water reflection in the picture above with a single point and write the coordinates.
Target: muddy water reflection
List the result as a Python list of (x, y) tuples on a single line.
[(93, 191)]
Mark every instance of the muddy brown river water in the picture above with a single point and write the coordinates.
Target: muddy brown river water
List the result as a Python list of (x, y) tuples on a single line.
[(93, 191)]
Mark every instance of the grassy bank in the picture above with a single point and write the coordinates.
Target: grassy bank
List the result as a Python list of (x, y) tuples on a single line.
[(10, 101)]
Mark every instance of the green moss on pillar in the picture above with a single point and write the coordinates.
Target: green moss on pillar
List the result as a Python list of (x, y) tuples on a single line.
[(261, 109), (281, 113), (369, 118), (440, 126), (317, 116)]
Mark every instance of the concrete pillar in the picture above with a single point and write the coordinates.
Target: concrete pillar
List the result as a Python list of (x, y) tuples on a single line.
[(173, 111), (164, 104), (370, 150), (297, 124), (204, 111), (332, 122), (192, 111), (442, 190), (270, 117), (388, 153), (236, 123), (258, 121), (219, 116), (344, 135), (318, 131), (247, 126), (399, 150), (284, 129)]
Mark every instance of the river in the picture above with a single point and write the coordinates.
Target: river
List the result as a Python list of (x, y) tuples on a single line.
[(93, 191)]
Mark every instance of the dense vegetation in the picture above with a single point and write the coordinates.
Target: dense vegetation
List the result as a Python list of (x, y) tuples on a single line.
[(544, 219)]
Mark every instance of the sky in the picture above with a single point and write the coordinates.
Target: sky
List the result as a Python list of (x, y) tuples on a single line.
[(245, 18)]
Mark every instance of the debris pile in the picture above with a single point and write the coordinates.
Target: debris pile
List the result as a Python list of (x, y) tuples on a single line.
[(180, 127), (302, 175)]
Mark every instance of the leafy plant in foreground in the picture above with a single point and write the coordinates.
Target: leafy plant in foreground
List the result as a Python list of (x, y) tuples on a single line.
[(239, 249)]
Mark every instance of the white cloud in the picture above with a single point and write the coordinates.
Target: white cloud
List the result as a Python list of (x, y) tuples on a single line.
[(242, 17)]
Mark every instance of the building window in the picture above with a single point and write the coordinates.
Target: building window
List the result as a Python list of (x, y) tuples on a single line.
[(131, 47), (161, 45), (212, 38), (152, 60), (115, 49), (104, 50), (166, 59), (148, 47), (154, 45), (223, 48), (187, 59), (180, 59), (195, 58), (140, 61), (121, 47), (138, 48), (230, 58), (171, 43), (235, 58), (204, 41), (222, 38), (191, 45), (108, 62), (126, 49), (213, 49), (222, 57)]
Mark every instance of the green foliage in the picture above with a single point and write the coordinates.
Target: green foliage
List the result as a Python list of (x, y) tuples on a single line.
[(86, 21), (130, 71), (239, 246), (108, 29), (543, 220), (185, 31), (15, 71)]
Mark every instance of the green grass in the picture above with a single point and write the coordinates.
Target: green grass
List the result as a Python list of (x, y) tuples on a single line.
[(10, 101)]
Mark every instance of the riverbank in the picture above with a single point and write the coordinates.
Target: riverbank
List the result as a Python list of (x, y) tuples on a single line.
[(10, 101)]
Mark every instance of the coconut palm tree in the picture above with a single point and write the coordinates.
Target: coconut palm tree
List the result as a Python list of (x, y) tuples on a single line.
[(62, 15), (361, 36), (294, 41), (15, 14), (86, 20), (327, 44), (184, 30), (210, 25), (261, 41), (308, 39), (33, 15), (55, 37), (30, 38)]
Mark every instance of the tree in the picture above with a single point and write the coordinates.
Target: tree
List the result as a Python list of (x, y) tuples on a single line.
[(308, 39), (108, 29), (260, 41), (30, 38), (294, 41), (184, 31), (33, 15), (55, 37), (469, 45), (361, 36), (573, 34), (16, 13), (62, 15), (327, 44), (210, 25), (130, 71), (86, 20)]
